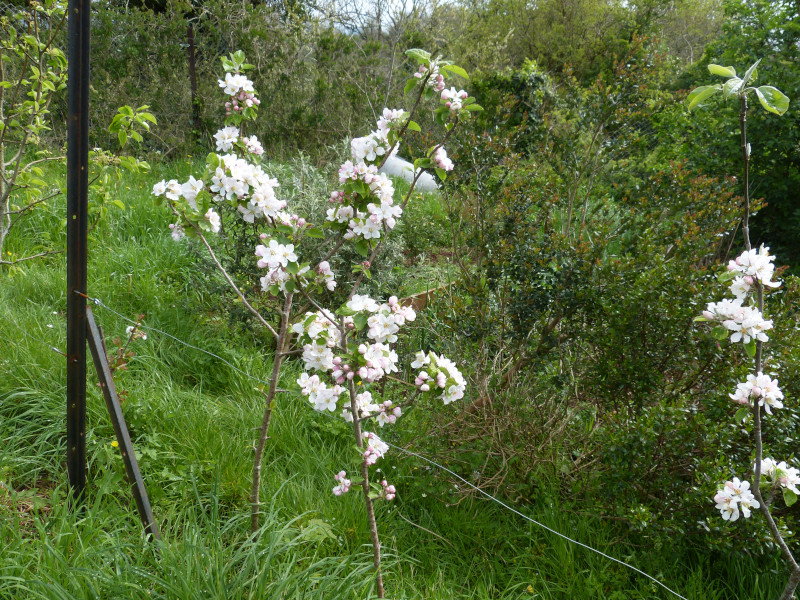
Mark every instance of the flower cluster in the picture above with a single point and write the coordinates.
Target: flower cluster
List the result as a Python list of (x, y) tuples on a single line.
[(735, 496), (454, 100), (319, 394), (389, 491), (241, 92), (366, 204), (374, 447), (441, 160), (746, 322), (444, 376), (277, 258), (385, 320), (344, 483), (436, 79), (779, 473), (189, 191), (761, 387), (752, 265)]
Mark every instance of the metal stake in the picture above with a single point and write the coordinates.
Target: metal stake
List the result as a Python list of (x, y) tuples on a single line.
[(97, 347), (77, 202)]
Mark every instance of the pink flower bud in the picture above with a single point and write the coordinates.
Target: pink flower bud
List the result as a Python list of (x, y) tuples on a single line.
[(748, 279), (425, 388), (301, 222), (350, 376)]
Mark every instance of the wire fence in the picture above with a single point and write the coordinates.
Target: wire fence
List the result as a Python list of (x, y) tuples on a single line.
[(490, 497)]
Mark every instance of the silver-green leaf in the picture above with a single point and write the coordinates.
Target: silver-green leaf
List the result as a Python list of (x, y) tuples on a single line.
[(772, 99), (722, 71), (701, 93)]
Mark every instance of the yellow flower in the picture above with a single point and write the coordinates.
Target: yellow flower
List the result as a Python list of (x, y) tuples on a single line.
[(115, 444)]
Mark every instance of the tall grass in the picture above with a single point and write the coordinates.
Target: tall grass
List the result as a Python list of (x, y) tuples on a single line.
[(193, 422)]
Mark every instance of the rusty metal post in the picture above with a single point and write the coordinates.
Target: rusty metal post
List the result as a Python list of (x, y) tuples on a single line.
[(77, 202)]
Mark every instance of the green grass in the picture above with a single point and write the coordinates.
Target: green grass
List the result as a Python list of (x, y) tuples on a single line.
[(193, 419)]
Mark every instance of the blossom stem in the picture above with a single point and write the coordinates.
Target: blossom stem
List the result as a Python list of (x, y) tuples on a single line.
[(264, 429), (230, 281), (373, 526), (794, 568)]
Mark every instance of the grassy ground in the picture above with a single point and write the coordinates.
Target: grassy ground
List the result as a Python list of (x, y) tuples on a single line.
[(193, 419)]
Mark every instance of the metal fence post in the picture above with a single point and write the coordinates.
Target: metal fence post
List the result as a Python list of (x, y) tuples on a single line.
[(77, 200)]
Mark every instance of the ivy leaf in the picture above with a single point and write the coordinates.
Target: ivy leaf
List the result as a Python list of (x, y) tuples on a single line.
[(722, 71), (701, 93), (772, 99)]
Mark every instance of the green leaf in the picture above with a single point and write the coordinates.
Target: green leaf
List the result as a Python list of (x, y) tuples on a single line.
[(722, 71), (474, 107), (700, 319), (292, 268), (772, 99), (731, 87), (701, 93), (750, 348), (410, 85), (345, 311), (421, 56), (274, 289), (315, 232), (441, 173), (123, 137), (727, 276), (360, 320), (719, 333), (751, 73), (789, 496), (414, 126), (362, 247), (455, 70), (118, 203), (741, 414)]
